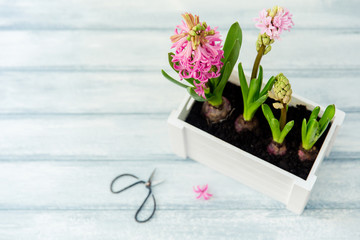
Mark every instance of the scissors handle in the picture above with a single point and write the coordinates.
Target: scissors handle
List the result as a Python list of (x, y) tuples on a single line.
[(148, 186), (131, 185), (140, 208)]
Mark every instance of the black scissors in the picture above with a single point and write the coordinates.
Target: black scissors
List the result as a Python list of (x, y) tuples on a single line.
[(147, 184)]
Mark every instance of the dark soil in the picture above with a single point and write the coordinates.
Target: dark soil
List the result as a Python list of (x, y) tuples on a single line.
[(256, 144)]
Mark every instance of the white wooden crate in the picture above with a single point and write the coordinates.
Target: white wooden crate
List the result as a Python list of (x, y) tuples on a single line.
[(189, 141)]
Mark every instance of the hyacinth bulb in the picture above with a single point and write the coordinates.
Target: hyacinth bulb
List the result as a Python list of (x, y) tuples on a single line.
[(307, 155), (241, 125), (216, 114), (276, 149)]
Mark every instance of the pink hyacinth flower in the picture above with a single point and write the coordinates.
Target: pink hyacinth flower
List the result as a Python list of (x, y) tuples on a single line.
[(198, 52), (274, 26), (202, 192), (264, 23)]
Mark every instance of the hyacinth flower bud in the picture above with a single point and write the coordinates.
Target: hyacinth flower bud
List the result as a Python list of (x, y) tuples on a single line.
[(281, 91), (267, 49), (266, 40)]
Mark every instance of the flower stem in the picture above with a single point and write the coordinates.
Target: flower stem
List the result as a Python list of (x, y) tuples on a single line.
[(257, 61), (216, 102), (283, 117)]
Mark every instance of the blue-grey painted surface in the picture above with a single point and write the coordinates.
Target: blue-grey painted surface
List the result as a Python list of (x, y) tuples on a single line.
[(82, 100)]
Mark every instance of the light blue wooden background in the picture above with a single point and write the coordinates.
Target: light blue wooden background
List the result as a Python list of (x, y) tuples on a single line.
[(82, 100)]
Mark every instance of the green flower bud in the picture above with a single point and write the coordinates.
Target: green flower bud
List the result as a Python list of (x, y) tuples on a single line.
[(278, 105), (273, 11), (267, 49), (282, 90), (286, 99), (192, 32), (266, 40), (272, 95), (204, 24), (188, 38)]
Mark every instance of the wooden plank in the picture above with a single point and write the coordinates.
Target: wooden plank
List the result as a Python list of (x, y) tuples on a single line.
[(199, 224), (91, 51), (87, 136), (98, 15), (110, 137), (138, 92), (84, 185)]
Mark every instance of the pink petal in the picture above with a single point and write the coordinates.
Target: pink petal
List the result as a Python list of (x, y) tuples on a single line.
[(196, 190)]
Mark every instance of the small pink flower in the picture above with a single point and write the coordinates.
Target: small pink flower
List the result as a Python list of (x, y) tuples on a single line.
[(274, 26), (198, 52), (202, 192)]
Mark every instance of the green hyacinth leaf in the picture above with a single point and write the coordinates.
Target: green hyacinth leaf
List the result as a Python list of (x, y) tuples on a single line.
[(327, 116), (233, 57), (170, 57), (173, 80), (194, 95), (303, 131), (275, 129), (268, 86), (267, 112), (234, 34), (224, 78), (314, 113), (243, 83), (285, 131), (311, 134), (252, 108), (253, 89)]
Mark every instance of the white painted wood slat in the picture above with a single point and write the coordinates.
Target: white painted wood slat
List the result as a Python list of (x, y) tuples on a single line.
[(201, 224), (104, 137), (139, 92), (84, 185), (123, 50), (98, 15), (82, 100)]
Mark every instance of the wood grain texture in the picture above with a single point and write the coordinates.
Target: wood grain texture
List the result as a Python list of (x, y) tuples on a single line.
[(122, 92), (185, 224), (111, 50), (110, 137), (84, 185), (82, 100), (115, 15)]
